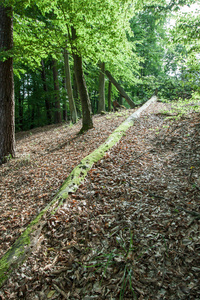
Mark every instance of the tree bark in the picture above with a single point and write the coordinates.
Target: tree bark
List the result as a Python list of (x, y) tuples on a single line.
[(58, 117), (84, 96), (82, 89), (120, 89), (45, 88), (64, 108), (101, 104), (72, 106), (7, 122), (76, 96), (109, 95)]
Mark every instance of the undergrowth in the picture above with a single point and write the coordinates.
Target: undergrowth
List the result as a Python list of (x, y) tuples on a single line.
[(183, 107)]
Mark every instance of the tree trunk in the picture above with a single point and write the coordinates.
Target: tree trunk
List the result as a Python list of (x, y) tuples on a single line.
[(21, 106), (109, 95), (101, 105), (7, 122), (58, 117), (72, 106), (76, 96), (84, 96), (45, 88), (64, 107), (82, 89), (120, 89)]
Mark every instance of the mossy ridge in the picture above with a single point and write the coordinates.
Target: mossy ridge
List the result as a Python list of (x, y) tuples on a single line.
[(24, 245)]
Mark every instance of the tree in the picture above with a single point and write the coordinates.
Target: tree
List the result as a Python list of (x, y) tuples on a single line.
[(58, 118), (45, 87), (101, 104), (7, 137), (109, 95), (186, 34), (150, 28), (72, 106)]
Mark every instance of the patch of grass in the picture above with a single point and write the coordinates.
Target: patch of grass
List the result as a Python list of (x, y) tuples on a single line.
[(109, 117), (183, 107)]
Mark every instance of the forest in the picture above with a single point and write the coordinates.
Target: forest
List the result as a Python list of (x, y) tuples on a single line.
[(99, 149)]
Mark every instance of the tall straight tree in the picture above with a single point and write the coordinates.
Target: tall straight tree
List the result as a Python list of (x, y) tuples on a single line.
[(7, 135), (82, 88), (47, 102), (101, 104), (72, 106), (109, 95), (83, 92), (58, 117)]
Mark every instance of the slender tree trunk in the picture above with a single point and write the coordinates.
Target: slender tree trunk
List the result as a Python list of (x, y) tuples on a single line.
[(76, 96), (45, 88), (72, 106), (58, 117), (82, 88), (109, 95), (64, 111), (7, 123), (21, 111), (32, 125), (120, 89), (101, 105)]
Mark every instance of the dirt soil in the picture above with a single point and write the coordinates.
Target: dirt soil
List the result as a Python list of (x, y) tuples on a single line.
[(132, 229)]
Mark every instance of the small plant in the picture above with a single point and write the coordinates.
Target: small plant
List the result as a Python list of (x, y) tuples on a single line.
[(7, 158)]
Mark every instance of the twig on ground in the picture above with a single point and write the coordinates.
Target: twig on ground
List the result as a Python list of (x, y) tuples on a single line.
[(190, 176), (60, 291), (156, 196)]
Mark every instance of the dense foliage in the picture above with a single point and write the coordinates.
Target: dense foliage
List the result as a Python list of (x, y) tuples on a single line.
[(133, 39)]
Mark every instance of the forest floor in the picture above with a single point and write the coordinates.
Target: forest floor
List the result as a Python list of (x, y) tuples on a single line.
[(130, 231)]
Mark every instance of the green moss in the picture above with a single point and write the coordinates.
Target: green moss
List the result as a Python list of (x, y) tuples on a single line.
[(14, 256), (22, 247)]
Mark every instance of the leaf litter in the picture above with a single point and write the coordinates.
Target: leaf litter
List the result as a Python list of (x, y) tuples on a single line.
[(131, 230)]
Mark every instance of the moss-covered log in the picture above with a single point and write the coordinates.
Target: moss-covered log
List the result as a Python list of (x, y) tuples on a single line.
[(28, 241)]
